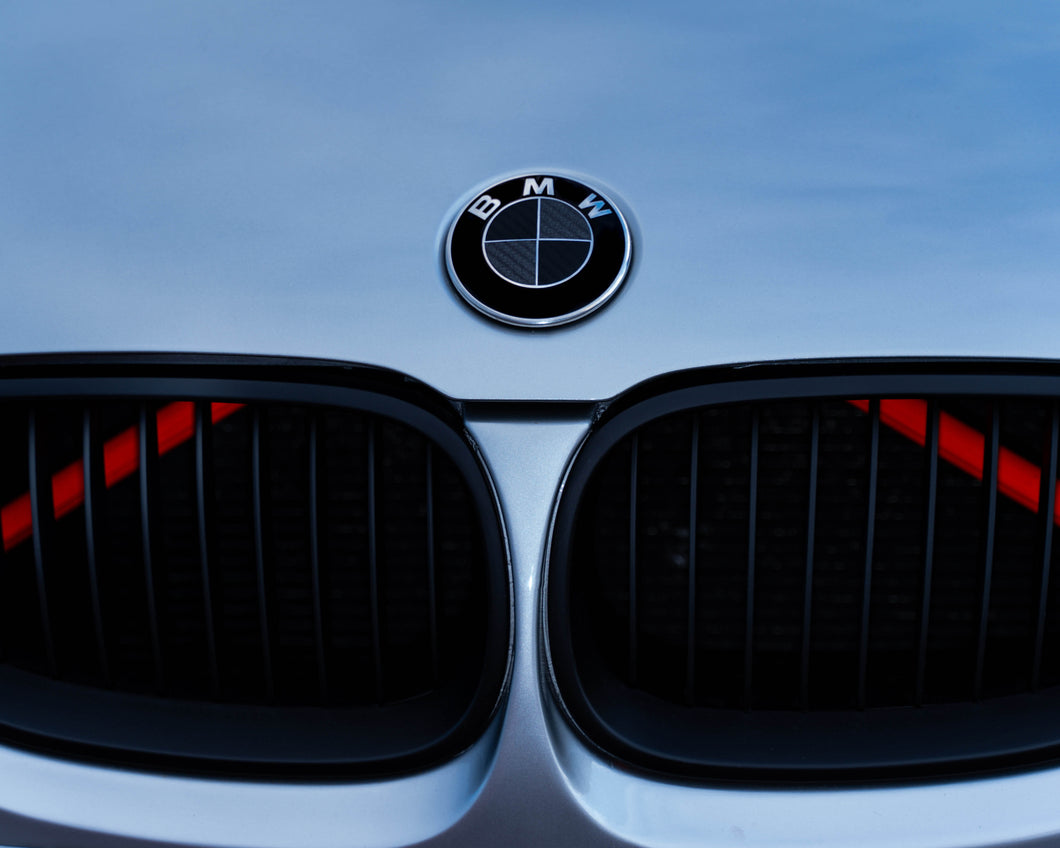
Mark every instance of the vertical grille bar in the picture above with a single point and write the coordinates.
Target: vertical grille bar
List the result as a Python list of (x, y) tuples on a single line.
[(40, 496), (752, 509), (870, 538), (432, 587), (932, 447), (693, 485), (256, 484), (1047, 500), (203, 494), (990, 459), (811, 524), (314, 552), (147, 444), (633, 458), (373, 562), (92, 451)]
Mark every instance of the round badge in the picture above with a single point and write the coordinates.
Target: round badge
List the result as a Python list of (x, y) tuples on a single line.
[(538, 250)]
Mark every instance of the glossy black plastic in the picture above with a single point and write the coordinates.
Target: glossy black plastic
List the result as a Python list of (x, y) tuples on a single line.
[(331, 736), (676, 736)]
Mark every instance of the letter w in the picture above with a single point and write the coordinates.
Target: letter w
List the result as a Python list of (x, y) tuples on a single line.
[(598, 206)]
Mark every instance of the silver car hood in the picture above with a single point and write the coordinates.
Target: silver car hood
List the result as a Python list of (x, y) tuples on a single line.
[(800, 181)]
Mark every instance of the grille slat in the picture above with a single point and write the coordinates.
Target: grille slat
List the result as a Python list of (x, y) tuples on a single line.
[(990, 480), (373, 561), (95, 486), (752, 535), (811, 524), (40, 492), (256, 489), (314, 557), (932, 446), (432, 568), (1047, 496), (870, 540), (632, 570), (203, 490), (693, 521), (147, 444)]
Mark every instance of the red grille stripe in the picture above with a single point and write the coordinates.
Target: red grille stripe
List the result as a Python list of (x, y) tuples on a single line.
[(121, 457), (961, 445)]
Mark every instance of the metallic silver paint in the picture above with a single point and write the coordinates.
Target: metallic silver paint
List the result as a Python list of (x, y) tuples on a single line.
[(802, 180), (133, 808), (819, 180)]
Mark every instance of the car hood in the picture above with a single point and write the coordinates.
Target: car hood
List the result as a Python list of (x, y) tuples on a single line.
[(810, 180)]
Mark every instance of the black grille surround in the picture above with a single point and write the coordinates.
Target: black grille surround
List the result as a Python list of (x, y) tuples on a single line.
[(822, 597), (310, 579)]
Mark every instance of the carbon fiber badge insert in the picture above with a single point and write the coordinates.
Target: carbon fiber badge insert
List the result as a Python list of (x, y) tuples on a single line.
[(538, 250)]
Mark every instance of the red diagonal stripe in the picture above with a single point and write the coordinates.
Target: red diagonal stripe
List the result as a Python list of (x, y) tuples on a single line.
[(121, 457), (961, 445)]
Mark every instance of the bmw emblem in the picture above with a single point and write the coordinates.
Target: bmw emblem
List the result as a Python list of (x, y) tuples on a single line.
[(538, 250)]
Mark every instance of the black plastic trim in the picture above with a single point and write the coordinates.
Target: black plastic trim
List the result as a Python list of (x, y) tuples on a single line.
[(254, 741), (663, 737)]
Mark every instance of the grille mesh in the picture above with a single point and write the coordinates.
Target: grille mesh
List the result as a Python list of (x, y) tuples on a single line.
[(286, 554), (735, 594)]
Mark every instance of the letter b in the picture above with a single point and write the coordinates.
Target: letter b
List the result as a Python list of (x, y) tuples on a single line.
[(484, 207)]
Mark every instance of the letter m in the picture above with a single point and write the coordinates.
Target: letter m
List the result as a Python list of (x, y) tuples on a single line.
[(533, 186), (597, 205)]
